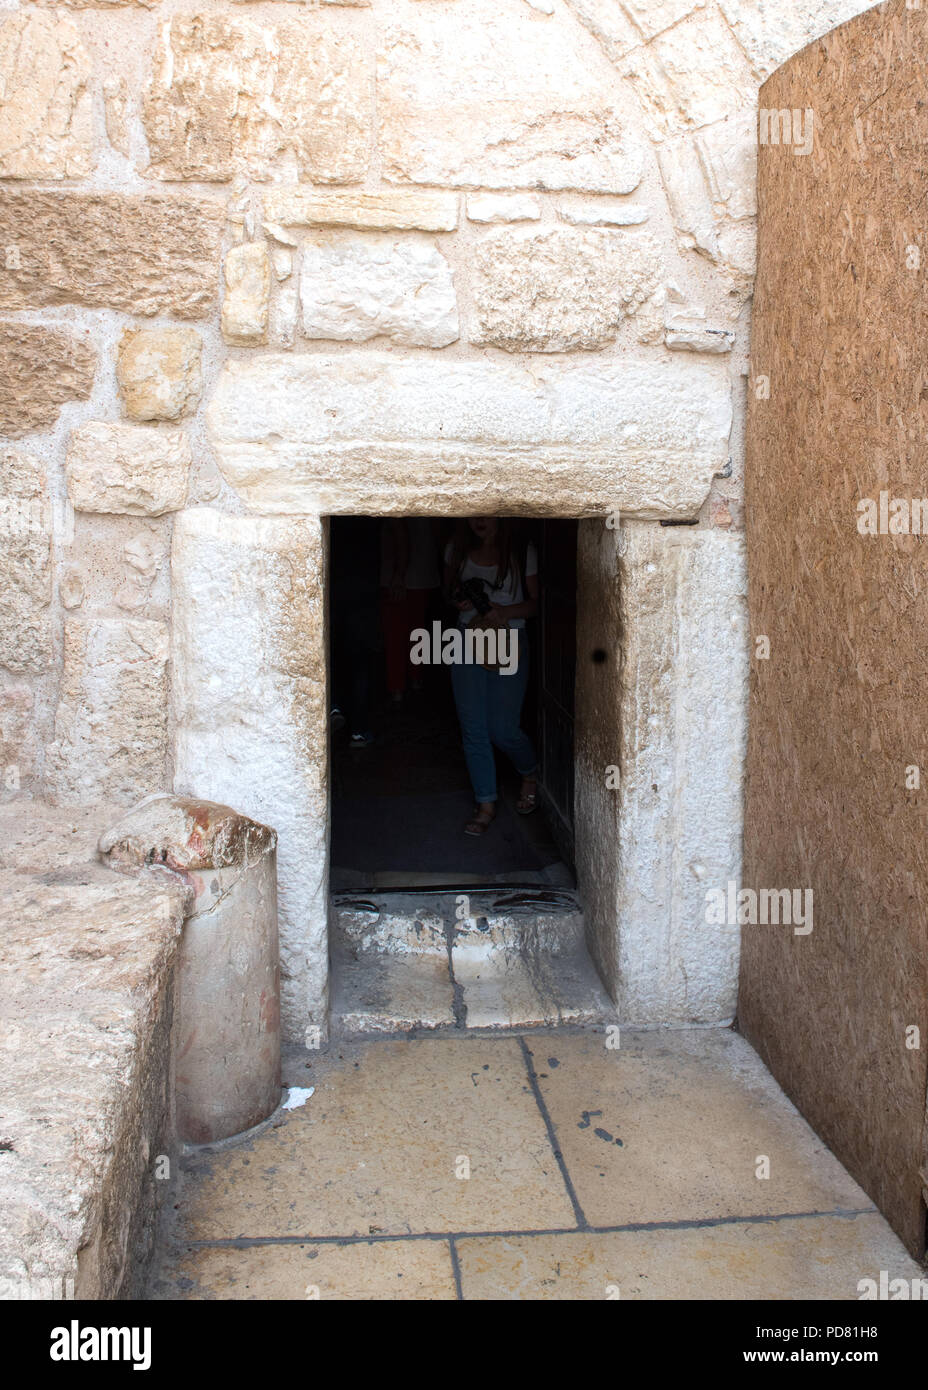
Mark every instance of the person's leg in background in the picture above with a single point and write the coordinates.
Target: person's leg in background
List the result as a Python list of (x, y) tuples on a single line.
[(506, 695), (399, 619), (469, 682)]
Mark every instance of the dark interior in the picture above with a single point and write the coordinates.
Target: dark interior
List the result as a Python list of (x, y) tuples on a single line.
[(400, 800)]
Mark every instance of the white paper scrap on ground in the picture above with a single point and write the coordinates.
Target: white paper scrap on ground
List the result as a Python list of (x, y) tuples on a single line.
[(297, 1096)]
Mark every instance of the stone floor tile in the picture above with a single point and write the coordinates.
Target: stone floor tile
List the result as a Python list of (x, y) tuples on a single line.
[(815, 1257), (402, 1269), (673, 1124), (375, 1150)]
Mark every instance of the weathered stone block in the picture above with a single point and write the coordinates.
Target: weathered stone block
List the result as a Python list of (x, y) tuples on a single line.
[(116, 113), (229, 94), (45, 104), (18, 737), (728, 153), (159, 372), (685, 612), (683, 336), (245, 302), (688, 196), (402, 210), (709, 77), (608, 21), (249, 671), (738, 255), (40, 369), (501, 207), (454, 111), (131, 469), (281, 262), (371, 432), (227, 1025), (285, 308), (559, 289), (361, 288), (649, 320), (678, 599), (111, 723), (603, 213), (25, 564), (144, 255)]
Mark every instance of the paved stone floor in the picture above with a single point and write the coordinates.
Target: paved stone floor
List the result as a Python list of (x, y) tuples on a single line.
[(546, 1165)]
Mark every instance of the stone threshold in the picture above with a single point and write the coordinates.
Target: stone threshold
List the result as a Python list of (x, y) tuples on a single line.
[(462, 960)]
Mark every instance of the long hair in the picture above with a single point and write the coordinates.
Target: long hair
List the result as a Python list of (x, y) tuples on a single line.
[(510, 543)]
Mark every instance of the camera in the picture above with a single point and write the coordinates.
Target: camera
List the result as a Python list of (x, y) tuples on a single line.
[(473, 590)]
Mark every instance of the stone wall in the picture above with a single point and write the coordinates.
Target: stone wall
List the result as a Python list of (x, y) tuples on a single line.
[(288, 259)]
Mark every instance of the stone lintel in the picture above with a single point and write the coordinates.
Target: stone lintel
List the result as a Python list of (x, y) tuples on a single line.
[(370, 432)]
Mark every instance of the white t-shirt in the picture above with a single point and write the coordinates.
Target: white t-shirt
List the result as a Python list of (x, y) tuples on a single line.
[(511, 590)]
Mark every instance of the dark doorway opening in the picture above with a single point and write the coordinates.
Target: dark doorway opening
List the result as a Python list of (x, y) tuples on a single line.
[(401, 793)]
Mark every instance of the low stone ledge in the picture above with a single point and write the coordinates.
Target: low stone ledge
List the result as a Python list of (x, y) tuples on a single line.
[(87, 963)]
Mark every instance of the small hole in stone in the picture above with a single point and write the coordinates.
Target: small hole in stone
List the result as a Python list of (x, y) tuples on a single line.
[(600, 655)]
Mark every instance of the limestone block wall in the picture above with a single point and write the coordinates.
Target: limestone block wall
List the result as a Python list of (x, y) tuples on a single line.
[(667, 719), (273, 258)]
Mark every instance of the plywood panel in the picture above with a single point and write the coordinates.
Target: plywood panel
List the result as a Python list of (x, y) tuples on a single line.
[(840, 709)]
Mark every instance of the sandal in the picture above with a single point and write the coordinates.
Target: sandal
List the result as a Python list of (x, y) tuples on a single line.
[(528, 801), (481, 823)]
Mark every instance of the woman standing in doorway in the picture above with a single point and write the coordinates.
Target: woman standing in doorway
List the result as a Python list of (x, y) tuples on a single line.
[(489, 704)]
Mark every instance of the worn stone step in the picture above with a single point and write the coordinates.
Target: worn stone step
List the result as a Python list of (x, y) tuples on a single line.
[(457, 960)]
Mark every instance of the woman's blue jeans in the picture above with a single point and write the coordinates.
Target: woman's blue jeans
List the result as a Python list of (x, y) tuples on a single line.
[(489, 710)]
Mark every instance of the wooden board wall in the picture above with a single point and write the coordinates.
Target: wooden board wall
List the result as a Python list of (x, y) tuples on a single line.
[(840, 709)]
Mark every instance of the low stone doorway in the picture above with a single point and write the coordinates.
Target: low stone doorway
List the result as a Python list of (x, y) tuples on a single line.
[(659, 722), (432, 928), (401, 794)]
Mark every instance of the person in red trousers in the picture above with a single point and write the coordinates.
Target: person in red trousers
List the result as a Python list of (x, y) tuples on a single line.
[(408, 579)]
